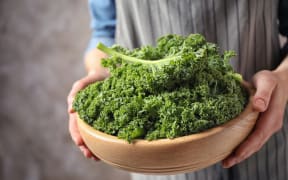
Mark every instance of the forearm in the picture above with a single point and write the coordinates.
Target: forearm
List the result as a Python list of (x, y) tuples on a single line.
[(93, 63)]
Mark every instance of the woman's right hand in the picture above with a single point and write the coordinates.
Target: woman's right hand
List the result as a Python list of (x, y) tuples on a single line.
[(96, 73), (73, 126)]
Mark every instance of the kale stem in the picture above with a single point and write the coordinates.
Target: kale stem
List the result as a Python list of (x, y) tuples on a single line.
[(126, 58)]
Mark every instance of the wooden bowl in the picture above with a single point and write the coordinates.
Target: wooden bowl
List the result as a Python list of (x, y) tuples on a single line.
[(171, 156)]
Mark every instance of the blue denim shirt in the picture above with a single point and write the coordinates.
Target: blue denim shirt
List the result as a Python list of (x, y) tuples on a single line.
[(103, 22)]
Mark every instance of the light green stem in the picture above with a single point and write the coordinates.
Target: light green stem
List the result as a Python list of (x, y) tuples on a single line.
[(126, 58)]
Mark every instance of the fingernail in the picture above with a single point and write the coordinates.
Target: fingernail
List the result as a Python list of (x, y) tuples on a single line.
[(260, 103)]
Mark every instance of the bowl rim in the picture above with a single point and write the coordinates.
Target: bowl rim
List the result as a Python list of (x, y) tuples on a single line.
[(181, 139)]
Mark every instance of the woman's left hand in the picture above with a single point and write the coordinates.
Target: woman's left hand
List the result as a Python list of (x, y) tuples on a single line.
[(270, 99)]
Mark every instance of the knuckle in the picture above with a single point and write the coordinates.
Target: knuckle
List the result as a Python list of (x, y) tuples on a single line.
[(266, 73)]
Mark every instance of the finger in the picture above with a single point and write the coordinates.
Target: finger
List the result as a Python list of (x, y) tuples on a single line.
[(87, 153), (268, 123), (74, 131), (78, 85), (75, 134), (264, 83), (252, 144)]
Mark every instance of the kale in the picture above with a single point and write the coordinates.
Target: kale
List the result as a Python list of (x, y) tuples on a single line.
[(183, 85)]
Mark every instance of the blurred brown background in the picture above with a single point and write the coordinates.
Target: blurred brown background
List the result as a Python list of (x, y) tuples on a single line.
[(41, 48)]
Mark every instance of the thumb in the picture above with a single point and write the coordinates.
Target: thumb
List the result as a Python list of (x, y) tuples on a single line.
[(80, 84), (265, 83)]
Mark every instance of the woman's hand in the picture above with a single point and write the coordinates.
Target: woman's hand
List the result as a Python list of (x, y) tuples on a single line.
[(270, 99), (95, 73), (73, 127)]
